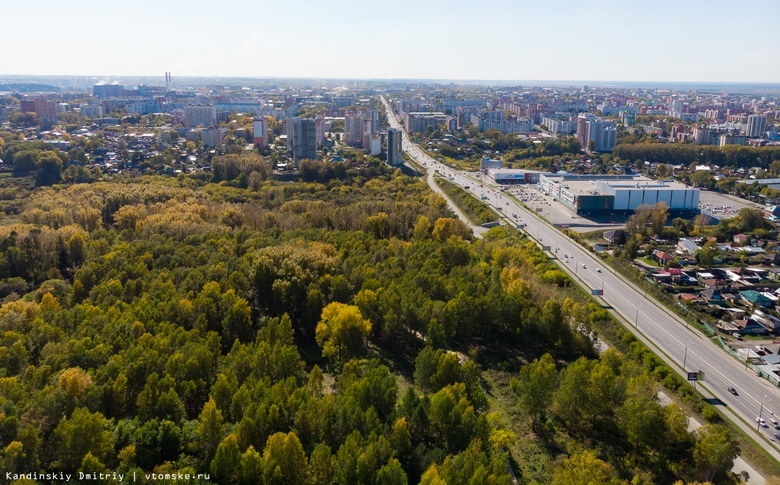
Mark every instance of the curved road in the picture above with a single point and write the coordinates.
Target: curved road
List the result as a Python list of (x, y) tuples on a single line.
[(656, 326)]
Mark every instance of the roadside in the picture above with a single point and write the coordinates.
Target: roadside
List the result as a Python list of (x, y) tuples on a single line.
[(740, 465)]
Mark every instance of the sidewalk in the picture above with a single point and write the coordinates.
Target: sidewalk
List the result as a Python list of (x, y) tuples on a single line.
[(739, 464)]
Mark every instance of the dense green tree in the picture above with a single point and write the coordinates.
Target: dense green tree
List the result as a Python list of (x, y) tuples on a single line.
[(226, 465), (209, 431), (49, 169), (284, 460), (83, 433), (535, 387), (714, 451)]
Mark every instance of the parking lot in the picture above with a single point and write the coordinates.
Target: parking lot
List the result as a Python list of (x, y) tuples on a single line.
[(721, 206)]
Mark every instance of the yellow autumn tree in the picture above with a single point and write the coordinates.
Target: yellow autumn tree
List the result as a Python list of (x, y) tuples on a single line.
[(342, 331)]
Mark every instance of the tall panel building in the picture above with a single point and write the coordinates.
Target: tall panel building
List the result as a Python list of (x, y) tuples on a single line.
[(260, 132), (302, 138), (358, 125), (394, 146), (195, 116), (582, 128), (45, 111), (756, 126), (702, 135), (601, 132)]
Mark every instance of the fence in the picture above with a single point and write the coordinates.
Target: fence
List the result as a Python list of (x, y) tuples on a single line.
[(771, 377)]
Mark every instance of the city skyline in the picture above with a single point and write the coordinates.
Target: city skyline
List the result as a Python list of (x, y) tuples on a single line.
[(592, 41)]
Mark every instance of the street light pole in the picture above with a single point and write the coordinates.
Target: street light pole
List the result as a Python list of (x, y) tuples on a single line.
[(758, 422)]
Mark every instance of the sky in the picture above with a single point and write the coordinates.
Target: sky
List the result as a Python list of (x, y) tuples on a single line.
[(599, 40)]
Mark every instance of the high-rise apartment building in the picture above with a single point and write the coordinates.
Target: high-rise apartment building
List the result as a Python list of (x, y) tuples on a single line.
[(302, 138), (45, 111), (394, 145), (582, 128), (260, 132), (205, 116), (755, 126), (601, 132), (358, 126)]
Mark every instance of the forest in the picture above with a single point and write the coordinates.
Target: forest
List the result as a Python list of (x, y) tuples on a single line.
[(341, 328), (733, 156)]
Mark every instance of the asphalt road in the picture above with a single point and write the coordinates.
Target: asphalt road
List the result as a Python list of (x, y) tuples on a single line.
[(685, 350)]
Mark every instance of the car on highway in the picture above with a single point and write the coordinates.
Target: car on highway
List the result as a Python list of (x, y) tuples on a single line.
[(762, 422), (598, 270), (777, 435), (774, 423), (583, 266), (732, 390)]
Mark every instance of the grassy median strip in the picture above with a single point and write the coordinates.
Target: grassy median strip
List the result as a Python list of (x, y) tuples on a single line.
[(473, 208)]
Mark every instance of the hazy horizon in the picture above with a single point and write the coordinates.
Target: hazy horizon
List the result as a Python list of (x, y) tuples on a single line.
[(497, 40), (64, 81)]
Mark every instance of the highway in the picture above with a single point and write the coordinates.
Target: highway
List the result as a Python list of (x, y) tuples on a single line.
[(682, 348)]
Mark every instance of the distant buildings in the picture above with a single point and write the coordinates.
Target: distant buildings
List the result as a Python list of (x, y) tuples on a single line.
[(212, 137), (599, 131), (559, 127), (107, 90), (496, 120), (92, 111), (359, 126), (45, 111), (702, 135), (302, 138), (731, 139), (195, 116), (394, 147), (420, 121), (489, 164)]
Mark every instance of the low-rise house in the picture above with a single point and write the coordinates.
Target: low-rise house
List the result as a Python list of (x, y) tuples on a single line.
[(749, 249), (690, 298), (755, 299), (712, 297), (749, 326), (704, 275), (662, 257), (736, 313), (740, 239), (772, 212), (662, 277), (615, 237), (750, 275), (687, 246), (771, 322), (715, 284)]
